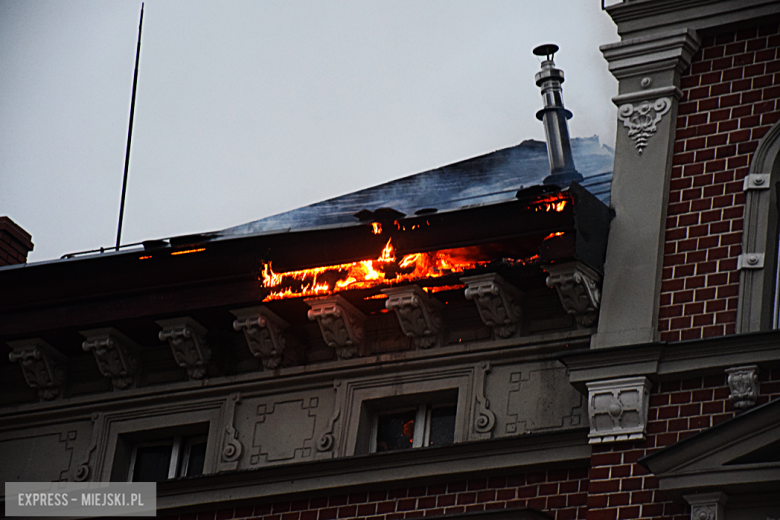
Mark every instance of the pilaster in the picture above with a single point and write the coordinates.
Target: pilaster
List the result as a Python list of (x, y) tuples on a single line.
[(648, 70)]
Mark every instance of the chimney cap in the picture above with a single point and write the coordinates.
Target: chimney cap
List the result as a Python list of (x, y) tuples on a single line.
[(547, 50)]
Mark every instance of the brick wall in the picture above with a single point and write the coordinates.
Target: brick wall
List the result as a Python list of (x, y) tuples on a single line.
[(622, 489), (562, 493), (15, 243), (730, 100)]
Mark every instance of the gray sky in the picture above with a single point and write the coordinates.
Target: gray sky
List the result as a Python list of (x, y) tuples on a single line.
[(245, 109)]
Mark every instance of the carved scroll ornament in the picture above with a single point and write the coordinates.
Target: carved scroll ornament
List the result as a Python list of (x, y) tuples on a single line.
[(498, 302), (340, 322), (187, 339), (42, 365), (114, 354), (262, 329), (579, 289), (418, 314), (642, 119)]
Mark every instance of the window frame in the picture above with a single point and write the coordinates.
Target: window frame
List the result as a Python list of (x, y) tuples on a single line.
[(181, 450), (758, 306), (422, 423)]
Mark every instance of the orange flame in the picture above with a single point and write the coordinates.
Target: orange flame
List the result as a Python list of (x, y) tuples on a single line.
[(557, 234), (377, 228), (385, 270), (553, 203)]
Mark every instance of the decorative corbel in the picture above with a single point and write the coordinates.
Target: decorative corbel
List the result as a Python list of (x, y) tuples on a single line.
[(114, 353), (618, 409), (579, 288), (43, 367), (262, 329), (642, 119), (743, 383), (187, 339), (418, 314), (707, 506), (498, 302), (340, 322)]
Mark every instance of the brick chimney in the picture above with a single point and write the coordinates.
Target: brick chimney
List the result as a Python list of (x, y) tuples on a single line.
[(15, 243)]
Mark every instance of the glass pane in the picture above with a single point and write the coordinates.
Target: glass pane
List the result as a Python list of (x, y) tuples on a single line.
[(196, 459), (395, 431), (151, 463), (442, 426)]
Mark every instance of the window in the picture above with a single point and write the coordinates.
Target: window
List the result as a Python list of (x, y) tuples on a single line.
[(427, 425), (155, 461)]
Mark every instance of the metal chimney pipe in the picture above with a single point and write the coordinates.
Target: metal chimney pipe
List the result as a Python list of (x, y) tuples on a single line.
[(554, 116)]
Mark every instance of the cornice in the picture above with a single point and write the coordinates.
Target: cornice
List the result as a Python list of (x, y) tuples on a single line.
[(643, 16), (492, 457), (524, 349), (669, 50), (661, 361)]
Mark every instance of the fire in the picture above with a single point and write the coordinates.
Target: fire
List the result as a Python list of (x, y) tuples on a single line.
[(551, 235), (385, 270), (554, 203), (377, 228)]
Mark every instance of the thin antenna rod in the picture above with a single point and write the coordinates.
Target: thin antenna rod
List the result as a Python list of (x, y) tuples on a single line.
[(130, 131)]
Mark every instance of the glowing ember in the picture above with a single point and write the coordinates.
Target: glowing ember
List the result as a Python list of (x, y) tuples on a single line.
[(383, 271), (435, 289), (555, 203), (559, 233)]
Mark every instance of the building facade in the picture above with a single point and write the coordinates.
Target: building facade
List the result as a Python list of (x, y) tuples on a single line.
[(485, 340)]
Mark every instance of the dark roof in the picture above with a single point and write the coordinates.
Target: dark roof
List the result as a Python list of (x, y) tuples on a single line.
[(486, 179)]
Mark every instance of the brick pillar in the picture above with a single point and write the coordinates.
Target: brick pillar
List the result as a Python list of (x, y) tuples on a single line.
[(15, 243)]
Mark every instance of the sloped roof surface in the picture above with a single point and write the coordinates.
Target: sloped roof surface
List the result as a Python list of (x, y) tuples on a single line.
[(486, 179)]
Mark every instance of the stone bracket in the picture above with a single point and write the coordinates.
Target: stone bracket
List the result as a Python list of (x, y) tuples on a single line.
[(707, 506), (750, 261), (617, 409), (498, 302), (579, 288), (262, 329), (187, 339), (642, 119), (756, 181), (418, 314), (115, 354), (341, 324), (43, 367), (743, 383)]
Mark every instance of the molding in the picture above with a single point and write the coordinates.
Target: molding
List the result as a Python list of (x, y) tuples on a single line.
[(743, 383), (640, 17), (646, 95), (341, 324), (654, 54), (115, 354), (520, 349), (262, 329), (498, 302), (44, 368), (757, 297), (406, 467), (418, 314), (579, 289), (704, 461), (669, 361), (617, 409), (187, 339)]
